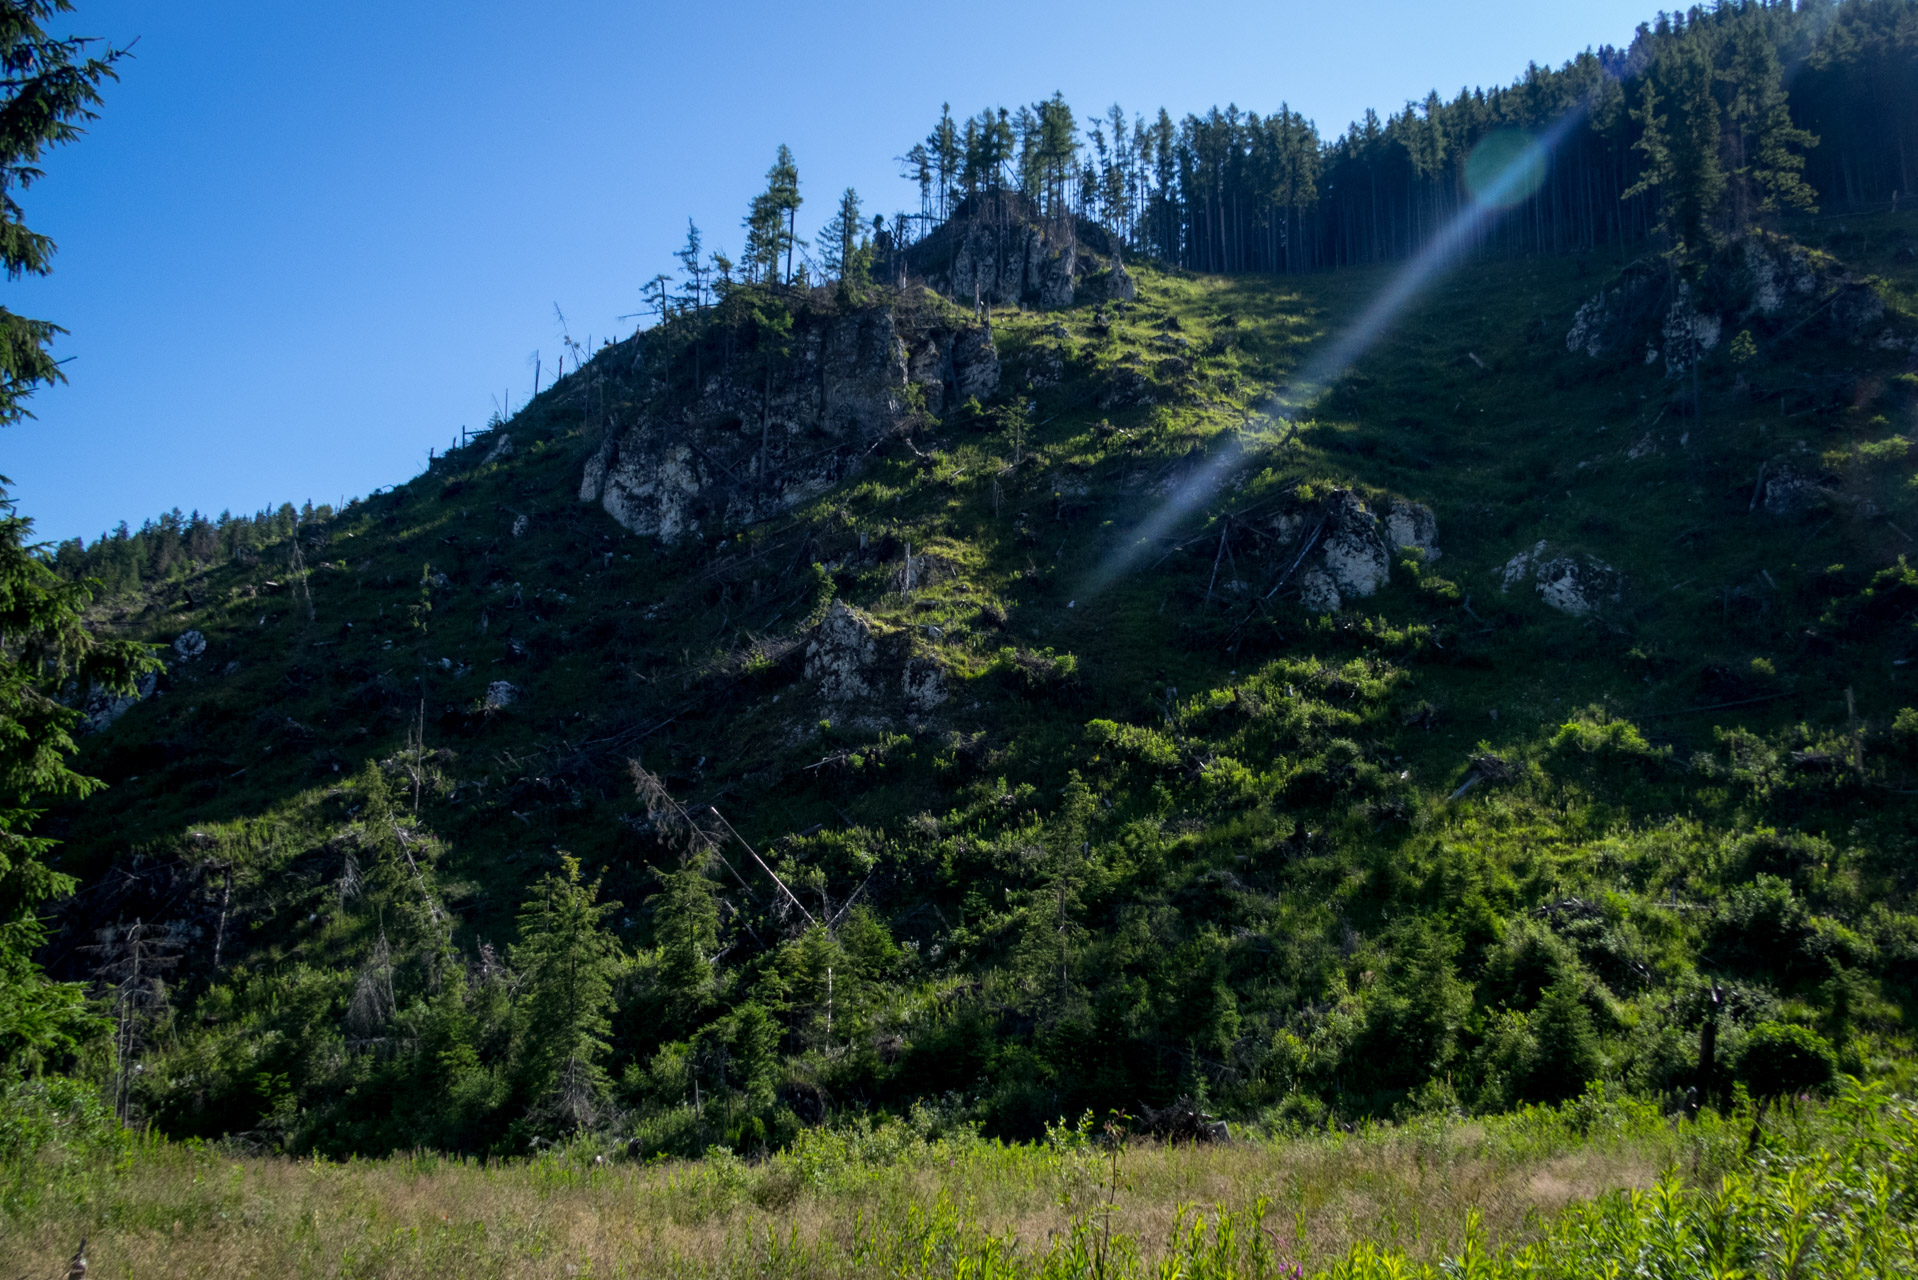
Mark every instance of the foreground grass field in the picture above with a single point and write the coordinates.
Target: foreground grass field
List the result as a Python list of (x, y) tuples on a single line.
[(1600, 1187)]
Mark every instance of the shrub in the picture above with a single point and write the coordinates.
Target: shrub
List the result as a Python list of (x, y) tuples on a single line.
[(1760, 927), (1781, 1060)]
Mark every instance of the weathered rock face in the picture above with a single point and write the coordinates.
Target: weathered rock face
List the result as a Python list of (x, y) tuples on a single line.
[(759, 438), (997, 249), (1343, 548), (100, 709), (1574, 584), (1412, 525), (1355, 557), (854, 661), (1760, 282), (1788, 490)]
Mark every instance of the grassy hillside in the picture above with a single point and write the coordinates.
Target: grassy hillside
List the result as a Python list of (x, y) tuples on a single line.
[(1170, 832)]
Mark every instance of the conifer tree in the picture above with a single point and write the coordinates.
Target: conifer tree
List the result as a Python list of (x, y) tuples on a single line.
[(686, 928), (693, 268), (1767, 161), (917, 164), (1058, 150), (400, 876), (50, 88), (1653, 145), (943, 146), (567, 960), (1696, 190), (1567, 1056), (658, 297), (840, 242), (771, 222)]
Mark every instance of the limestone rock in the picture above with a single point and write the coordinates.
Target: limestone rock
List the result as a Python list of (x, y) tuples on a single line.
[(1124, 387), (1341, 550), (100, 708), (189, 645), (500, 452), (501, 694), (1779, 290), (1412, 525), (1777, 274), (975, 365), (1688, 332), (748, 443), (998, 250), (1788, 491), (1574, 584), (1318, 593), (1044, 367), (854, 660), (923, 684), (1119, 286), (1355, 556), (842, 654)]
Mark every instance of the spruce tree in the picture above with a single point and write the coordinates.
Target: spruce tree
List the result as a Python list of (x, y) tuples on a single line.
[(771, 222), (1567, 1056), (1653, 145), (567, 961), (46, 652), (693, 268), (51, 86), (686, 929), (840, 242), (1696, 192), (943, 145), (1767, 164)]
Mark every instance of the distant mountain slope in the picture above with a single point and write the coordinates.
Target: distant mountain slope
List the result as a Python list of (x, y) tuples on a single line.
[(1449, 745)]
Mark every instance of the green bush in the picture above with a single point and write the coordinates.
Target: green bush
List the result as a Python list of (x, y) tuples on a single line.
[(1781, 1060)]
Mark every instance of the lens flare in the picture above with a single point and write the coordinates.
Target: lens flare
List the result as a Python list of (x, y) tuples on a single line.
[(1505, 168), (1290, 403)]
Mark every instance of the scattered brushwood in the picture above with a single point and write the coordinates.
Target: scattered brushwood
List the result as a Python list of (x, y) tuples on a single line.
[(1486, 767), (1181, 1120)]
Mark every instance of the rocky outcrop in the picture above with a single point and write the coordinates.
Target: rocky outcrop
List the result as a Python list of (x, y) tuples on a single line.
[(189, 645), (100, 708), (997, 249), (1412, 526), (1759, 282), (854, 660), (1786, 489), (762, 434), (1574, 584), (1341, 550)]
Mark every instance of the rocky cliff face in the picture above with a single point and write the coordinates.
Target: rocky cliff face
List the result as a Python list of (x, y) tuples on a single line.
[(997, 250), (761, 436), (1780, 291)]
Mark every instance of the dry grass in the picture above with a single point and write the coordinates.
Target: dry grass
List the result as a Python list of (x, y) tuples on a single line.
[(833, 1207)]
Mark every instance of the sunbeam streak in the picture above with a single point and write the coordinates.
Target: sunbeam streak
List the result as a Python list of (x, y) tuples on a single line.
[(1325, 366)]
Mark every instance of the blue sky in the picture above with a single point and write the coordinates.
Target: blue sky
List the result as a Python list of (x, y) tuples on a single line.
[(306, 242)]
